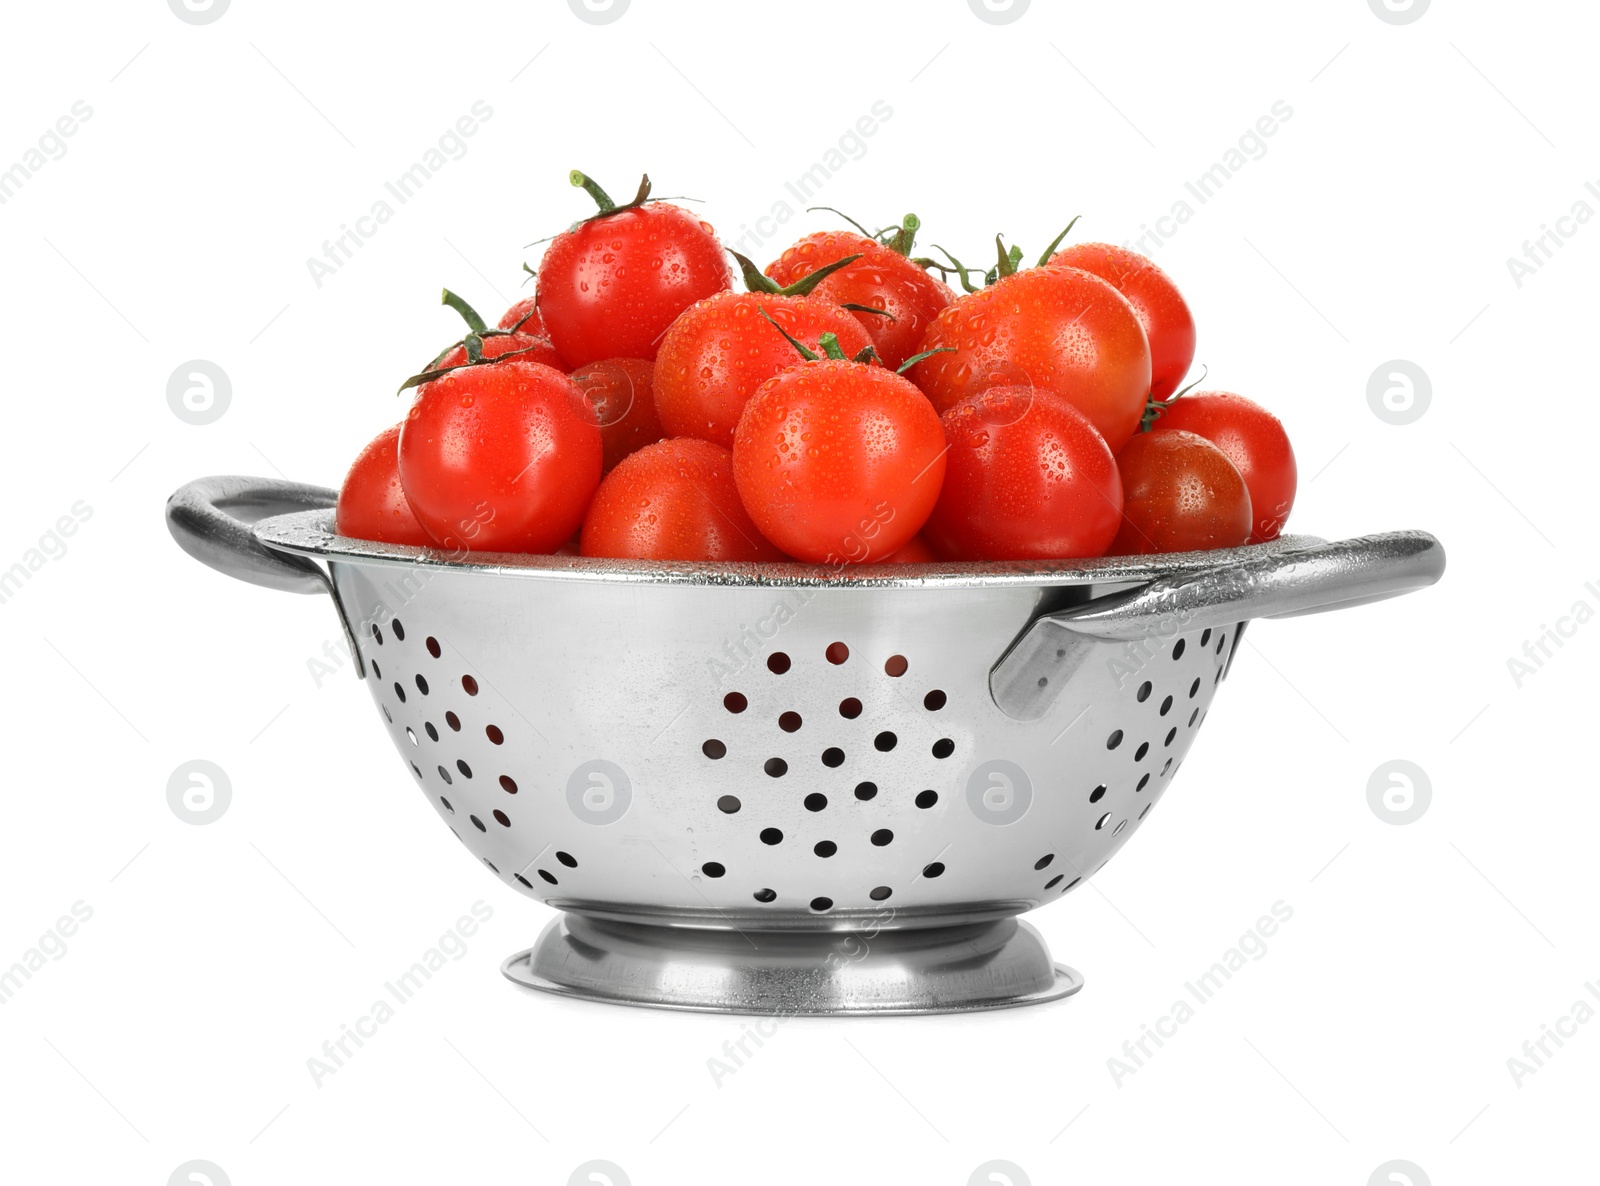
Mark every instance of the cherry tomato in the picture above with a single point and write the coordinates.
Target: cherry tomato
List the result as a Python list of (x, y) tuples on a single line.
[(524, 318), (1253, 439), (372, 503), (1180, 494), (915, 551), (620, 394), (883, 278), (1167, 322), (1027, 478), (1055, 328), (500, 457), (673, 500), (838, 462), (532, 349), (610, 286), (722, 349)]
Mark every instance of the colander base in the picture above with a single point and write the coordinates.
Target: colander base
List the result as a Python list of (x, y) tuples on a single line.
[(991, 965)]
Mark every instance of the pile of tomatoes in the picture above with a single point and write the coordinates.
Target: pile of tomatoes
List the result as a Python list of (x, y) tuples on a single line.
[(856, 404)]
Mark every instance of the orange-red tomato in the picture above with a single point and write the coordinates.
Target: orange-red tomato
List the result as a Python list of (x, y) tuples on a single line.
[(1168, 324), (838, 462), (1055, 328), (1027, 478), (881, 279), (915, 551), (621, 396), (722, 349), (372, 503), (673, 500), (501, 457), (1180, 493), (1253, 439)]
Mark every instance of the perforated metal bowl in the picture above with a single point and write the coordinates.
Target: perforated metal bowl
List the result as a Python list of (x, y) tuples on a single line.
[(779, 787)]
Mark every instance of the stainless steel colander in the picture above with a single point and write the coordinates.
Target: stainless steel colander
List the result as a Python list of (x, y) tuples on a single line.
[(780, 788)]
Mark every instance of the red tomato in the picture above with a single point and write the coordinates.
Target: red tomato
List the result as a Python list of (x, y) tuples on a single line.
[(1027, 478), (1059, 329), (883, 278), (524, 317), (673, 500), (372, 503), (1167, 322), (720, 351), (916, 551), (1253, 439), (531, 349), (1180, 494), (610, 286), (500, 457), (838, 462), (620, 394)]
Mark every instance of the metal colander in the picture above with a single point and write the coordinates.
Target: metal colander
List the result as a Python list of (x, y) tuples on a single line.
[(780, 788)]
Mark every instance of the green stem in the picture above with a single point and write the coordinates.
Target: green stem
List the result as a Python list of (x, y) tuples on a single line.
[(916, 358), (864, 232), (905, 238), (1056, 242), (468, 314), (1153, 408), (806, 352), (756, 281), (591, 187), (830, 346)]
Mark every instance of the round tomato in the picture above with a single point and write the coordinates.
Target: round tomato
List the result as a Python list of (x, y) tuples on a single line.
[(524, 318), (673, 500), (532, 349), (915, 551), (1057, 329), (1253, 439), (1162, 311), (500, 457), (372, 503), (610, 286), (620, 395), (883, 278), (722, 349), (1180, 494), (838, 462), (1027, 478)]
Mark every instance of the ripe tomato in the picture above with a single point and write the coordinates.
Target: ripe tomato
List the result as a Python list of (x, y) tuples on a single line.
[(838, 462), (531, 349), (524, 318), (916, 550), (1253, 439), (673, 500), (372, 503), (1180, 494), (620, 395), (1057, 329), (610, 286), (722, 349), (500, 457), (1027, 478), (883, 278), (1167, 322)]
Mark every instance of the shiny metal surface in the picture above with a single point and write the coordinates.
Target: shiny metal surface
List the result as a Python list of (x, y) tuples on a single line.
[(992, 965), (785, 749)]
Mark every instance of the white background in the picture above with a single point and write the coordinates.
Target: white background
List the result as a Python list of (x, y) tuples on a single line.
[(1376, 226)]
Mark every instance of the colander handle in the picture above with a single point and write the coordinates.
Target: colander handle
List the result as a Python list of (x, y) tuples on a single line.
[(211, 519), (1302, 580)]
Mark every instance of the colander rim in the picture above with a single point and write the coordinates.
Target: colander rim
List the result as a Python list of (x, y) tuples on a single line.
[(310, 534)]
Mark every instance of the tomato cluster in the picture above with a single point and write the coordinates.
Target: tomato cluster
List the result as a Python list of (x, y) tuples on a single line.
[(850, 406)]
